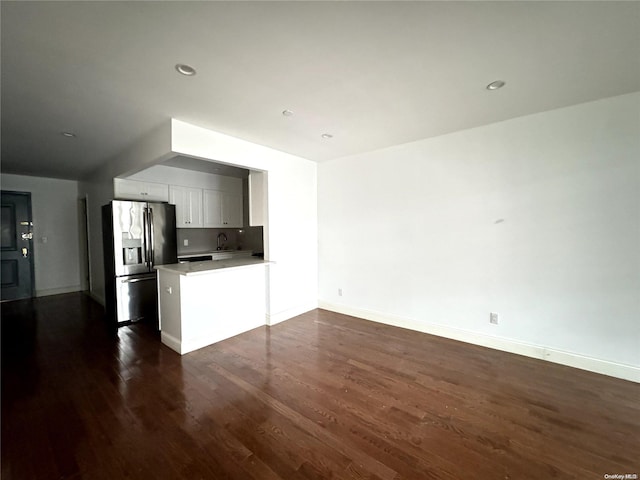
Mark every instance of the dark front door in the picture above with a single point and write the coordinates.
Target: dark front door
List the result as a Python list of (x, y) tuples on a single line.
[(16, 246)]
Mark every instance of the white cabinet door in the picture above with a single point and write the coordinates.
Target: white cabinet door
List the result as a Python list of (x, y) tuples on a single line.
[(197, 208), (157, 192), (124, 189), (221, 209), (212, 208), (257, 201), (188, 202), (232, 210)]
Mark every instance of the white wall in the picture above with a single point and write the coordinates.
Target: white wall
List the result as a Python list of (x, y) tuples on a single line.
[(98, 190), (291, 231), (188, 178), (54, 205), (410, 235)]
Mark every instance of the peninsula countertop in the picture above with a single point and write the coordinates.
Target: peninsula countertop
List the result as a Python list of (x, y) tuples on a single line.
[(210, 266), (216, 254)]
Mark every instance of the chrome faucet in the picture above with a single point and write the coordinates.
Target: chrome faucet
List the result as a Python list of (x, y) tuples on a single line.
[(222, 237)]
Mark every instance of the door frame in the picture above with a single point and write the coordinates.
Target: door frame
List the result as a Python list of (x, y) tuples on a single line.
[(84, 244)]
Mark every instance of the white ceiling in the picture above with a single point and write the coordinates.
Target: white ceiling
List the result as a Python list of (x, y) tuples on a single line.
[(372, 74)]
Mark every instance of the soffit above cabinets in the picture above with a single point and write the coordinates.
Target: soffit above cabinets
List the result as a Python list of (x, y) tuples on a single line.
[(205, 166)]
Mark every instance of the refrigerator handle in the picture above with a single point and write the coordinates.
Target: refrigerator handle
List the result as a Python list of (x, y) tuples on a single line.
[(145, 215), (151, 238)]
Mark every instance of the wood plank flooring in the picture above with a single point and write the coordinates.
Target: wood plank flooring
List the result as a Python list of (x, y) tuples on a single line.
[(319, 396)]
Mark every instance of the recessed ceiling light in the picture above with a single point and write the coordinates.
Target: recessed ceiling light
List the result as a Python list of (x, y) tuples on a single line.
[(326, 135), (496, 85), (68, 134), (186, 70), (287, 113)]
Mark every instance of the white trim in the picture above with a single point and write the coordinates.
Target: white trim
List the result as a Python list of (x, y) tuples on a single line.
[(605, 367), (57, 291), (95, 297), (187, 346), (172, 342), (275, 318)]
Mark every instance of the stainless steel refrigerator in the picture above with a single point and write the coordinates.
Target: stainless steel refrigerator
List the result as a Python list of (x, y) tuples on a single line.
[(137, 236)]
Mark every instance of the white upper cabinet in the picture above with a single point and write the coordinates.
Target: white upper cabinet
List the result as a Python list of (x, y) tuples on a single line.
[(124, 189), (221, 209), (212, 208), (257, 200), (188, 202), (232, 210), (202, 200)]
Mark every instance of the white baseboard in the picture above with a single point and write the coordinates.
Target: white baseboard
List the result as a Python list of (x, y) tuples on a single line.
[(57, 291), (605, 367), (172, 342), (95, 297), (275, 318), (186, 346)]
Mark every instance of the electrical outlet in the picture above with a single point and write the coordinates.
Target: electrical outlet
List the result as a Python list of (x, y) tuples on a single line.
[(185, 242), (339, 292), (493, 318)]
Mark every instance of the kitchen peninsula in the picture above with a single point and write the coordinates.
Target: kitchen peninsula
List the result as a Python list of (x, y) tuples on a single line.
[(201, 303)]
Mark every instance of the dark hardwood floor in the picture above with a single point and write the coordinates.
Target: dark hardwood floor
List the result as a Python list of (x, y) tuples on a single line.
[(320, 396)]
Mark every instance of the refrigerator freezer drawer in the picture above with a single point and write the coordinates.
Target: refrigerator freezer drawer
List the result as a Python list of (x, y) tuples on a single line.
[(136, 298)]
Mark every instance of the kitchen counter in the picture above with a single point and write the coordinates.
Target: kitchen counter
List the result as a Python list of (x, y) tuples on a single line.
[(201, 303), (209, 266), (216, 254)]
